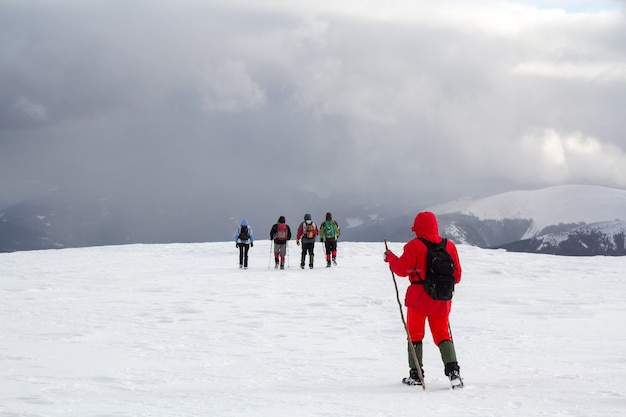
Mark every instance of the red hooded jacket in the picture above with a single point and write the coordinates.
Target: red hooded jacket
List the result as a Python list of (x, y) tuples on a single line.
[(412, 264)]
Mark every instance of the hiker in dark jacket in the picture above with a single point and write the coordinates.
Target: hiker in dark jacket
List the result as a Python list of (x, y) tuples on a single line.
[(244, 240), (307, 232), (280, 234), (329, 233), (420, 306)]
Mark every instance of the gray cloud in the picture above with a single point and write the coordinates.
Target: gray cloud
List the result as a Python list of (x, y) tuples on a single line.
[(424, 101)]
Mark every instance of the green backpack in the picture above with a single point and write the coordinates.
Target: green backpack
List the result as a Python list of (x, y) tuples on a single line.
[(330, 229)]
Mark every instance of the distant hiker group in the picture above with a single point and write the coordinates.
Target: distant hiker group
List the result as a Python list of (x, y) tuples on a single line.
[(430, 262), (280, 234)]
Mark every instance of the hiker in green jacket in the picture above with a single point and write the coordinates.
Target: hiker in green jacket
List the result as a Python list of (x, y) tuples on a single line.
[(329, 233)]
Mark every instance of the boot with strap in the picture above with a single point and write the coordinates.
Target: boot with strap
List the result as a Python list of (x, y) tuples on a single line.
[(452, 369), (413, 378)]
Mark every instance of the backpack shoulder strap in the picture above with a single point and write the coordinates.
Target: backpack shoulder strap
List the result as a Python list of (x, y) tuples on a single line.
[(431, 245), (428, 243)]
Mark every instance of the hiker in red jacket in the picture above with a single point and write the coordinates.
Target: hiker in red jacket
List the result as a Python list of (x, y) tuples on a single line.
[(420, 306), (280, 234), (307, 232)]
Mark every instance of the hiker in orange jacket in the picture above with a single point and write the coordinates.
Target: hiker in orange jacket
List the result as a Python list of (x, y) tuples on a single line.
[(420, 306), (307, 232)]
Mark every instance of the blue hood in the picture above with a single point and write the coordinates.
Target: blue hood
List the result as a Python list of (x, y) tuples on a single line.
[(244, 222)]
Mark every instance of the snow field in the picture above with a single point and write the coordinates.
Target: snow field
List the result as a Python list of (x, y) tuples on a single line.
[(179, 330)]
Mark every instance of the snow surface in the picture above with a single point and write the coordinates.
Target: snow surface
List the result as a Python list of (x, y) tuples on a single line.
[(547, 206), (179, 330)]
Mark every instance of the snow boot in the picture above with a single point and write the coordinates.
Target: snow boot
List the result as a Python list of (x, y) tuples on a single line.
[(413, 378), (452, 371)]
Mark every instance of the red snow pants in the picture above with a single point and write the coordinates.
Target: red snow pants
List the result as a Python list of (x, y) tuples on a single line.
[(416, 322)]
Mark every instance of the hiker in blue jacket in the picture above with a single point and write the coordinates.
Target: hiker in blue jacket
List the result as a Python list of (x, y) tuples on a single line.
[(244, 240)]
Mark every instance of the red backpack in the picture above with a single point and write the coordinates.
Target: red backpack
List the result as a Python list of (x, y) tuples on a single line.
[(281, 231)]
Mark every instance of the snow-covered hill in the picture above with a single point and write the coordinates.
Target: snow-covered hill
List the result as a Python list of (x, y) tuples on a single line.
[(178, 330), (565, 204), (497, 221), (604, 238), (519, 220)]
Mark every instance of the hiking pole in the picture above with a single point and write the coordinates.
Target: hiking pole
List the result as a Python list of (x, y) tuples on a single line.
[(406, 328), (269, 260)]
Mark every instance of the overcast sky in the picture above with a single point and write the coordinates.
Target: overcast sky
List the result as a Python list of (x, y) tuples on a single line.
[(430, 99)]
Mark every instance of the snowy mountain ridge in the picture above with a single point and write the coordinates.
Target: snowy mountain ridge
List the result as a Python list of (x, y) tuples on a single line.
[(607, 228), (512, 220), (604, 238), (564, 204), (578, 220)]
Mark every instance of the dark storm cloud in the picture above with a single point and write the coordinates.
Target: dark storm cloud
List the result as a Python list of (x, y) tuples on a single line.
[(192, 100)]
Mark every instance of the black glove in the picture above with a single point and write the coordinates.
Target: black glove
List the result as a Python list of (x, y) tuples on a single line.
[(387, 253), (251, 244), (321, 239)]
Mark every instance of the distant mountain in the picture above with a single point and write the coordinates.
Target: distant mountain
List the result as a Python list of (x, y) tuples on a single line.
[(604, 238), (564, 220), (51, 224), (566, 204), (55, 222)]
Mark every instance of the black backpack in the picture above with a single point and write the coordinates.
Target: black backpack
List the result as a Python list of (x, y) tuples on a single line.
[(244, 234), (439, 281)]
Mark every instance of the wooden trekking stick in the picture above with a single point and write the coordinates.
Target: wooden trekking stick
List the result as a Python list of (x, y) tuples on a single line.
[(406, 328)]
